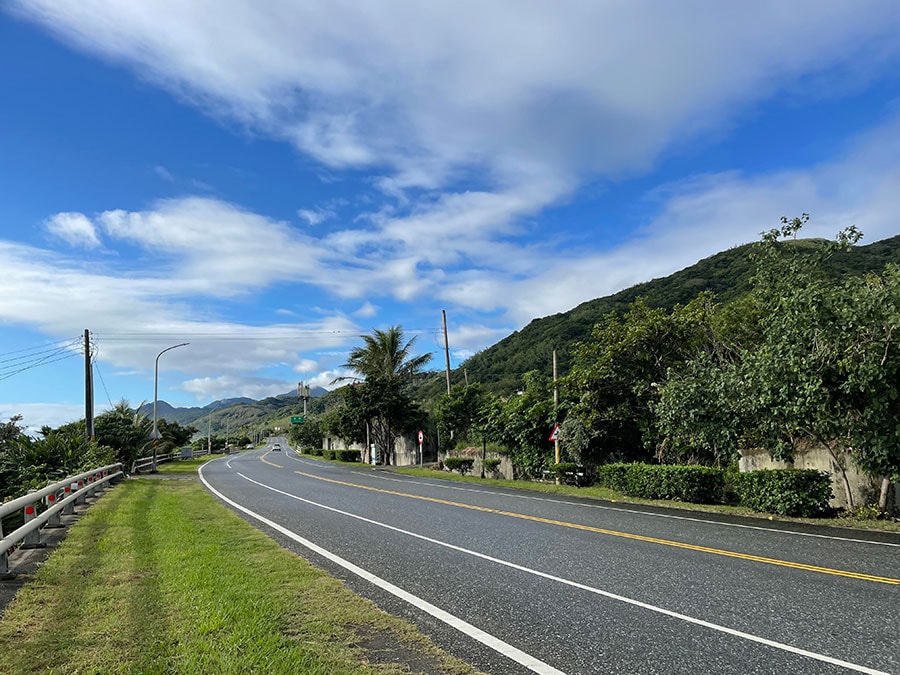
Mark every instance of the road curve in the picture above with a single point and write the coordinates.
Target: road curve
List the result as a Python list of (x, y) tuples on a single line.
[(518, 582)]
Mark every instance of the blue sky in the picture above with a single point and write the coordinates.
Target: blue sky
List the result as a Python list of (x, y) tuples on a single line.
[(267, 181)]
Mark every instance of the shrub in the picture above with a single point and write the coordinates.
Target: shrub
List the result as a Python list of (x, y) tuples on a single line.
[(787, 492), (316, 452), (612, 476), (345, 455), (461, 464), (491, 465), (563, 468), (696, 484)]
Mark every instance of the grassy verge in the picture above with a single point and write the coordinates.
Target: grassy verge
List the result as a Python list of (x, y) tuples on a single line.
[(158, 577), (613, 496)]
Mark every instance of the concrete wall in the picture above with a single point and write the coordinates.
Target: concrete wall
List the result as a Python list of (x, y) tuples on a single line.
[(406, 449), (863, 488), (504, 470)]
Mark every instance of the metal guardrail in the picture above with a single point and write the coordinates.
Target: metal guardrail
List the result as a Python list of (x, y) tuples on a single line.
[(60, 498), (145, 463)]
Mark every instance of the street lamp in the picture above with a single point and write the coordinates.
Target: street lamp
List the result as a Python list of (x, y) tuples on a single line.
[(155, 435)]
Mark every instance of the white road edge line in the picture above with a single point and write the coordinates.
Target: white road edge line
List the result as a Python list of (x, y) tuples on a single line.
[(635, 511), (574, 584), (498, 645)]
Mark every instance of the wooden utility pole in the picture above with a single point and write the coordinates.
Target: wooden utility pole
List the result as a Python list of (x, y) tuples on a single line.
[(446, 348), (555, 407), (88, 388)]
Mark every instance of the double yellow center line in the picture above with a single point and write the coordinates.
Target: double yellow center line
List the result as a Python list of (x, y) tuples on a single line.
[(624, 535)]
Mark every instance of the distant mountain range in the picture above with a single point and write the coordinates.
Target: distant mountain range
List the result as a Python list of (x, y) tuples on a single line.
[(233, 414)]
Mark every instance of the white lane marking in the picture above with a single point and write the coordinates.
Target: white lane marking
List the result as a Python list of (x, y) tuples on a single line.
[(495, 643), (634, 511), (574, 584)]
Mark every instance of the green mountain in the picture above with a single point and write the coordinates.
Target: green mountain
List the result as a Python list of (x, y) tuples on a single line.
[(238, 415), (500, 367), (727, 274)]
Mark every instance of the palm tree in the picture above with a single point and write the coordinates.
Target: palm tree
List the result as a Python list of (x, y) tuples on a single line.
[(385, 356), (383, 361)]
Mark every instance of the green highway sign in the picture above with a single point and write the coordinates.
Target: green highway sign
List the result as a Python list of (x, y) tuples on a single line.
[(298, 419)]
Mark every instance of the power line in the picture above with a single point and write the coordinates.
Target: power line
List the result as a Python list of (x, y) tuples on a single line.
[(42, 362), (103, 382), (37, 352), (72, 340), (234, 337)]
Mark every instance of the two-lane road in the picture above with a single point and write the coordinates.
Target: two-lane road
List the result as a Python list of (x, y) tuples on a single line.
[(516, 582)]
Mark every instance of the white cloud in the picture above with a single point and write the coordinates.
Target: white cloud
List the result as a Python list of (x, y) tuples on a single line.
[(163, 173), (305, 366), (74, 228), (519, 90), (366, 311), (37, 415), (314, 217), (228, 386)]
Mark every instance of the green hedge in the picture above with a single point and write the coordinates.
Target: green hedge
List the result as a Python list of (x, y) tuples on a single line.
[(345, 455), (696, 484), (787, 492), (461, 464), (491, 465)]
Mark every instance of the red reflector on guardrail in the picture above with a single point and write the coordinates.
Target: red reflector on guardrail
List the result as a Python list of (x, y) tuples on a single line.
[(68, 488), (29, 510), (51, 497)]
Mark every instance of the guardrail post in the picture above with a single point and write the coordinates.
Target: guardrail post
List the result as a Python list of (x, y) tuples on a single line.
[(5, 574), (54, 520), (80, 499), (69, 508), (32, 539)]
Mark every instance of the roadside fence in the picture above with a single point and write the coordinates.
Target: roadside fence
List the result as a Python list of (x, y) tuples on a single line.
[(59, 499), (146, 463)]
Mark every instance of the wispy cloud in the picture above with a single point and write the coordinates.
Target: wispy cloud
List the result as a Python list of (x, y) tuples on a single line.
[(527, 92), (74, 228), (163, 173)]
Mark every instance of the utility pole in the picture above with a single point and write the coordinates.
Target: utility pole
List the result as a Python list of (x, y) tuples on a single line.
[(555, 407), (209, 433), (303, 394), (446, 347), (88, 388)]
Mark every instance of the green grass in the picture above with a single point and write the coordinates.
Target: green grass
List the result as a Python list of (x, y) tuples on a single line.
[(158, 577), (185, 466), (612, 496)]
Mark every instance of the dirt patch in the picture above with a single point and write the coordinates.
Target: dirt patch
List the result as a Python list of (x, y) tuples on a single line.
[(385, 647)]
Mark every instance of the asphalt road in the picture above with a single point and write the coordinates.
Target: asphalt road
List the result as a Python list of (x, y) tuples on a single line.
[(518, 582)]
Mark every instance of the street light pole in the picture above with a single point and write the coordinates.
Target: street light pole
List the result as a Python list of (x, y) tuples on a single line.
[(155, 435)]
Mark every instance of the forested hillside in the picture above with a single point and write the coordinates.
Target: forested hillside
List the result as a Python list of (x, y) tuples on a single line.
[(726, 274)]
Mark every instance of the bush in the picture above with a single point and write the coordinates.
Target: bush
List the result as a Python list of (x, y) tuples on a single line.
[(491, 465), (563, 468), (696, 484), (345, 455), (315, 452), (787, 492), (461, 464), (612, 476)]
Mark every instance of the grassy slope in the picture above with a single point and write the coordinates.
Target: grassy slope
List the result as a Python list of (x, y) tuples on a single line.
[(158, 577)]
